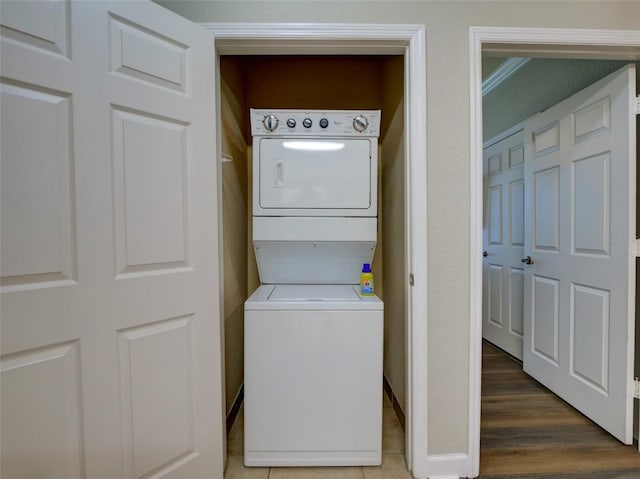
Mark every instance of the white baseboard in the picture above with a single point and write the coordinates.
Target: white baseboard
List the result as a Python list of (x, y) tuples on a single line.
[(449, 466)]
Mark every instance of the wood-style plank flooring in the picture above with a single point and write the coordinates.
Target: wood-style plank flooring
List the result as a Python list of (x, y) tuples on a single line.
[(529, 433)]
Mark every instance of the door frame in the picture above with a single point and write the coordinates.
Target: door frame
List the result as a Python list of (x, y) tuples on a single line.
[(370, 39), (527, 42)]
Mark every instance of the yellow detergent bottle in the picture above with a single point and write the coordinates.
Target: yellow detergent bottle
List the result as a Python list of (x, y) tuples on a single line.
[(366, 280)]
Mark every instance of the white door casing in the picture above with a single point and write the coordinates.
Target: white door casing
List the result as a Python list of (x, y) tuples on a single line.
[(111, 361), (580, 215), (409, 41), (503, 241), (519, 42)]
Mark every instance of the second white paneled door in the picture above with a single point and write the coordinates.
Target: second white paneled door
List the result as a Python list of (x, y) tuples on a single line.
[(580, 213), (503, 271)]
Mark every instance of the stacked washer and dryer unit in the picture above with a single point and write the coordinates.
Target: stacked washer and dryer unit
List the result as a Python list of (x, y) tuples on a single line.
[(313, 344)]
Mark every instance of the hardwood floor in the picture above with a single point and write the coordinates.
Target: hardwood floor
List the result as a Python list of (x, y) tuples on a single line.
[(528, 433)]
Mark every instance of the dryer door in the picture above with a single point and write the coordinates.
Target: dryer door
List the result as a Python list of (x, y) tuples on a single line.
[(296, 175)]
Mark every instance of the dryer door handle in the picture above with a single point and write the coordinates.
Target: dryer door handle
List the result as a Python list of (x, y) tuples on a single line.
[(278, 173)]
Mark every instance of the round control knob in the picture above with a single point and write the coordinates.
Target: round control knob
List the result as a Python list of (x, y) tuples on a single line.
[(307, 123), (270, 122), (291, 123), (324, 123), (360, 123)]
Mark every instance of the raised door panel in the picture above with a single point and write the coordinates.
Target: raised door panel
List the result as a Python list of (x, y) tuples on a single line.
[(43, 25), (546, 140), (495, 164), (37, 195), (516, 213), (151, 203), (157, 396), (591, 205), (590, 336), (545, 317), (148, 56), (516, 305), (516, 156), (41, 414), (546, 209), (495, 294), (495, 215)]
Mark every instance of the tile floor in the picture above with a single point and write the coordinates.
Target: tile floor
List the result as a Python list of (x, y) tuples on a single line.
[(393, 464)]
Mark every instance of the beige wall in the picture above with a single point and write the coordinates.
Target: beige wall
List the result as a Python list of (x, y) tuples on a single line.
[(234, 214), (447, 36), (392, 225)]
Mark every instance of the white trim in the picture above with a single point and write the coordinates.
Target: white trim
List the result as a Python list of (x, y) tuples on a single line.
[(311, 38), (443, 466), (504, 71), (416, 247), (559, 42), (565, 43), (475, 258), (408, 40)]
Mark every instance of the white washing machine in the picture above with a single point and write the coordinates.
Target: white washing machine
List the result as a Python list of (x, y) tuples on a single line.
[(313, 344)]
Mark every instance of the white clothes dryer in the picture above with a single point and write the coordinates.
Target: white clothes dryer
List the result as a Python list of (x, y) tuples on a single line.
[(313, 344)]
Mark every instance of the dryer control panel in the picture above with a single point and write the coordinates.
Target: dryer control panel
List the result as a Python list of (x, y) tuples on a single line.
[(317, 123)]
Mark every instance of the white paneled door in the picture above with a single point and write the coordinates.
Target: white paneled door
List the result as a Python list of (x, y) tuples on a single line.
[(110, 361), (503, 240), (581, 216)]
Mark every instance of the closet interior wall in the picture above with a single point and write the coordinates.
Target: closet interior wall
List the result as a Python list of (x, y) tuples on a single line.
[(312, 82)]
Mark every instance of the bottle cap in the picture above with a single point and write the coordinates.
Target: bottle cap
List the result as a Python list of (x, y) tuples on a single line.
[(366, 268)]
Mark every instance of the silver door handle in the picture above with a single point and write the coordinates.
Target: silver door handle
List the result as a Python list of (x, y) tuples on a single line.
[(278, 174), (527, 260)]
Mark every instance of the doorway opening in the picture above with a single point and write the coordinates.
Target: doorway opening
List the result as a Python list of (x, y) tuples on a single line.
[(535, 43), (320, 82), (257, 73)]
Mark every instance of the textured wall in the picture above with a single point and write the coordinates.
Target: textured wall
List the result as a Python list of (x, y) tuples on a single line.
[(234, 215), (538, 85), (448, 212), (392, 225)]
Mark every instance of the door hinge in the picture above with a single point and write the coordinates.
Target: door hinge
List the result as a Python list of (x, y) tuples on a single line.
[(638, 105), (637, 248), (636, 388), (411, 279)]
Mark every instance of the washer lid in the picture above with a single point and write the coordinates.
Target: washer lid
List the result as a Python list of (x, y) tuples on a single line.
[(311, 297), (314, 292)]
